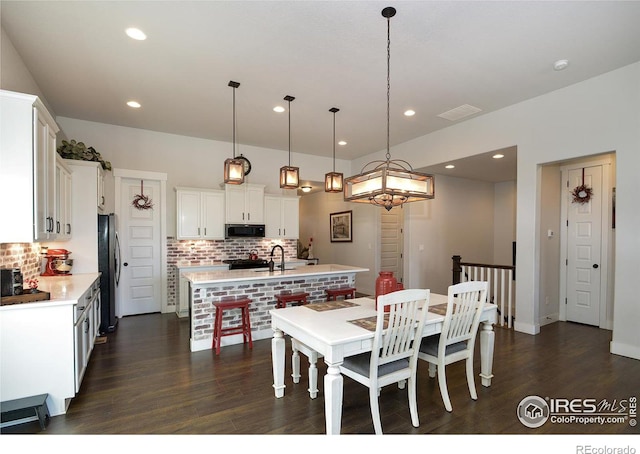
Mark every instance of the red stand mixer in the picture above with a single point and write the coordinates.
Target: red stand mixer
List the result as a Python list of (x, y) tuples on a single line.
[(58, 263)]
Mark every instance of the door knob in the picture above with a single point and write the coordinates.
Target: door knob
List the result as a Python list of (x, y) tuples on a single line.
[(595, 265)]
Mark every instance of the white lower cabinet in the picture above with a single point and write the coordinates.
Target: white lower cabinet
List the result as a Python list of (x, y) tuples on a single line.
[(86, 328), (46, 346)]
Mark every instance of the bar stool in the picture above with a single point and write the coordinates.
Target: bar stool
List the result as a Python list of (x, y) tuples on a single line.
[(287, 297), (334, 293), (227, 303)]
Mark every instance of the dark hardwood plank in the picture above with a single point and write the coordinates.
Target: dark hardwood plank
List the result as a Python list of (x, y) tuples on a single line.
[(144, 380)]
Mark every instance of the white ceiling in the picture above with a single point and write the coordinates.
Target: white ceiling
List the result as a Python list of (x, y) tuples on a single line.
[(488, 54)]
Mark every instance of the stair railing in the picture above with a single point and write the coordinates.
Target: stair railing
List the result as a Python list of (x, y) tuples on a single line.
[(501, 280)]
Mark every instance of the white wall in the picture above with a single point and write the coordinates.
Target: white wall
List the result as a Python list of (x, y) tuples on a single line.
[(504, 222), (459, 221), (188, 161), (362, 251), (596, 116), (15, 76), (550, 196)]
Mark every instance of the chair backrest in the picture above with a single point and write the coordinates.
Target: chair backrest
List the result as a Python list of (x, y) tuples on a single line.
[(396, 329), (464, 308)]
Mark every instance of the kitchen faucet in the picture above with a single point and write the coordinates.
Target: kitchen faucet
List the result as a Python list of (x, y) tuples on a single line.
[(271, 264)]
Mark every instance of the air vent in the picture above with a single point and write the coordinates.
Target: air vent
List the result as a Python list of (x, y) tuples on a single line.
[(459, 112)]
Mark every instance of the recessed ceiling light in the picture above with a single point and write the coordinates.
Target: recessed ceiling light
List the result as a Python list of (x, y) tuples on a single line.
[(560, 65), (306, 188), (342, 142), (135, 33), (498, 156), (450, 166), (134, 104), (409, 113)]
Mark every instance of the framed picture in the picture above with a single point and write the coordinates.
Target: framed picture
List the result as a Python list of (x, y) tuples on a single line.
[(340, 227)]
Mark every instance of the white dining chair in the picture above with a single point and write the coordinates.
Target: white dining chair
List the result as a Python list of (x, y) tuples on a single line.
[(457, 340), (393, 358)]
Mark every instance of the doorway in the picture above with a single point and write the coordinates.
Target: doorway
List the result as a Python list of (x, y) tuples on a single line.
[(585, 241), (392, 242), (142, 232)]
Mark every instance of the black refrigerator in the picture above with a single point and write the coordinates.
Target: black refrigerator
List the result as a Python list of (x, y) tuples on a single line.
[(109, 266)]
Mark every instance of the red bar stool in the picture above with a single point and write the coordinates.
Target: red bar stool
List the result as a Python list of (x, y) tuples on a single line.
[(287, 297), (227, 303), (346, 292)]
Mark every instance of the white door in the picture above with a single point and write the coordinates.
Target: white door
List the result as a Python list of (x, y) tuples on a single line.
[(584, 249), (140, 243), (391, 231)]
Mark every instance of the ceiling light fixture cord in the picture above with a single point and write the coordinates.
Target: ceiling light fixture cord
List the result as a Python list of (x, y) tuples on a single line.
[(388, 82), (334, 139), (234, 122), (289, 102)]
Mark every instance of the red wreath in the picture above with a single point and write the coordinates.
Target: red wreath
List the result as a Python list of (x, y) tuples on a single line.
[(141, 201), (582, 194)]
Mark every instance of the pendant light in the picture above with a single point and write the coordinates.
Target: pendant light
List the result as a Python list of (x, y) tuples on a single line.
[(333, 180), (389, 183), (289, 176), (234, 168)]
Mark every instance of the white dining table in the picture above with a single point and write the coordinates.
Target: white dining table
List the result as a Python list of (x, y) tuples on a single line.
[(332, 334)]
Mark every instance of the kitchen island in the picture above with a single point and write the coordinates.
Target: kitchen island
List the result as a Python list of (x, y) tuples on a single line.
[(260, 286)]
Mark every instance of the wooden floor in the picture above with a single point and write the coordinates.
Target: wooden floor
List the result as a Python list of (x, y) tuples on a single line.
[(144, 380)]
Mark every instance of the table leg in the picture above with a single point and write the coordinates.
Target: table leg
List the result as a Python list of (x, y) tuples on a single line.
[(487, 340), (277, 358), (333, 383)]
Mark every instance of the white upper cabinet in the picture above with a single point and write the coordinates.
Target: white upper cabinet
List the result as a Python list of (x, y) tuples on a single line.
[(27, 169), (199, 214), (101, 200), (281, 216), (244, 204), (63, 200)]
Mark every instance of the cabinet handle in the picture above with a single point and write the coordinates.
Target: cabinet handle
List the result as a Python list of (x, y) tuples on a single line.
[(243, 216), (198, 230), (205, 231), (87, 322), (284, 232), (248, 216), (81, 308), (279, 232), (57, 226), (68, 229), (88, 297), (102, 200)]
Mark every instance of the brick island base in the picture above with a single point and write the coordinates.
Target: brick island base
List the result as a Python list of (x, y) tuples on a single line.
[(261, 287)]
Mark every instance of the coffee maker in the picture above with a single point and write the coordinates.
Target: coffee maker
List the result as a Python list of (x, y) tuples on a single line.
[(58, 263)]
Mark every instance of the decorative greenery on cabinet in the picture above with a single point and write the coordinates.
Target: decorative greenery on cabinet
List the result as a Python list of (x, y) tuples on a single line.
[(80, 152)]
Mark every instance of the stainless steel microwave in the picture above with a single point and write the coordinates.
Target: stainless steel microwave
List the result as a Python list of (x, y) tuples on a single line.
[(244, 231)]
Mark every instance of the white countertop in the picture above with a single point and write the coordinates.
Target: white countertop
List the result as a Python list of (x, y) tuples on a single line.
[(63, 289), (215, 277)]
